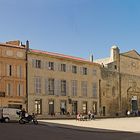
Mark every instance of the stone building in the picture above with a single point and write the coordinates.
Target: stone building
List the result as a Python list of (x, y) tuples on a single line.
[(60, 84), (12, 75), (120, 83)]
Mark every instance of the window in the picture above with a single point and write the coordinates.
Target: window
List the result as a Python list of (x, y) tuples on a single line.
[(84, 88), (51, 86), (38, 106), (51, 107), (19, 71), (115, 67), (63, 87), (37, 85), (51, 65), (63, 67), (9, 89), (95, 90), (74, 87), (84, 71), (74, 69), (19, 89), (9, 70), (36, 63)]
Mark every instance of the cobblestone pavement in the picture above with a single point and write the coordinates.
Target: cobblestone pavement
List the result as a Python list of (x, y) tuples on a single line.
[(115, 124)]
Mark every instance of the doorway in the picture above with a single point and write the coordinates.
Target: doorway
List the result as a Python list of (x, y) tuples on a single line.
[(74, 107)]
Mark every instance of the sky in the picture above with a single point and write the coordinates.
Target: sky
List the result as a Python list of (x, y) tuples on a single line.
[(72, 27)]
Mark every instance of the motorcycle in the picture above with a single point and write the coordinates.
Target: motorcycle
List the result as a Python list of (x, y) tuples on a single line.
[(28, 119)]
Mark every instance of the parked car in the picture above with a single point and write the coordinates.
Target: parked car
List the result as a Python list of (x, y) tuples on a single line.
[(9, 114)]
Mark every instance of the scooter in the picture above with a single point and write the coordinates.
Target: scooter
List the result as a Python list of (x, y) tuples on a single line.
[(28, 119)]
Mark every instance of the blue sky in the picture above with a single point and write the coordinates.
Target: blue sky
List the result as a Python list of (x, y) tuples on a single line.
[(72, 27)]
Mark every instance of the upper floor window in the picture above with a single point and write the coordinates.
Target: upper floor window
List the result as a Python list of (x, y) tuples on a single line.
[(74, 87), (95, 90), (19, 71), (84, 71), (9, 70), (63, 67), (36, 63), (74, 69), (51, 65), (19, 89), (9, 89), (51, 86), (84, 88), (37, 83), (63, 87), (94, 72)]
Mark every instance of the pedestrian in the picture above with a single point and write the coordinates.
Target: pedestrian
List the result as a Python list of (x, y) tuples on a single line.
[(128, 113), (78, 117), (89, 114)]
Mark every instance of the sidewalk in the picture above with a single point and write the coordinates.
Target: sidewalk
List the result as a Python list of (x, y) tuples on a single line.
[(100, 125)]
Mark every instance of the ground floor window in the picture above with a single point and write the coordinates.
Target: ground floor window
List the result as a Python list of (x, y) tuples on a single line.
[(18, 106), (63, 107), (38, 106), (51, 107), (84, 107)]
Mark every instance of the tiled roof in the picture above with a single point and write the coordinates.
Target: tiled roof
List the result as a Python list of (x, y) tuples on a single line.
[(60, 55)]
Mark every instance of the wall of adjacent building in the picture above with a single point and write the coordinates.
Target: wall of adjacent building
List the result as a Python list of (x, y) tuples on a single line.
[(14, 57)]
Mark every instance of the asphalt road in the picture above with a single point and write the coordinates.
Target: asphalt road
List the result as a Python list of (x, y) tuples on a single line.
[(15, 131)]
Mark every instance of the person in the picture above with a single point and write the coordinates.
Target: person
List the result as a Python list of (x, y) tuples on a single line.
[(78, 117), (1, 115), (89, 114), (128, 113), (92, 116), (23, 113)]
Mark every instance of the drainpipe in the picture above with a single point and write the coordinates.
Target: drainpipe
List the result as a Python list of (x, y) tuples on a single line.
[(27, 49)]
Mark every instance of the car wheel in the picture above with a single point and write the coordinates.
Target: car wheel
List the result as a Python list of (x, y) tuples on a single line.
[(6, 120)]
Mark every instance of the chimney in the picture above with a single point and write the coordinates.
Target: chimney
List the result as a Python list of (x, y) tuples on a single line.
[(27, 45), (91, 58)]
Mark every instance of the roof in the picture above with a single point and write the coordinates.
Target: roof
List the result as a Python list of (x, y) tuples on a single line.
[(11, 45), (61, 55), (132, 54)]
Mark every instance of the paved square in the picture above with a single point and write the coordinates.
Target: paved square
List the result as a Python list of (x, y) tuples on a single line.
[(119, 124)]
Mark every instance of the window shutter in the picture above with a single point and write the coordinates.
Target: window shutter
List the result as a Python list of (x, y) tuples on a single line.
[(67, 88), (42, 64), (33, 63), (21, 89), (46, 86), (81, 70), (59, 66), (8, 69), (57, 87)]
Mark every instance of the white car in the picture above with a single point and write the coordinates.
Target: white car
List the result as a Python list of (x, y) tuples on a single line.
[(9, 114)]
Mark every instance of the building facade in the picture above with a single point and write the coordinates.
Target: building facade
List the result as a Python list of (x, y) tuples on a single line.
[(120, 83), (60, 84), (12, 75)]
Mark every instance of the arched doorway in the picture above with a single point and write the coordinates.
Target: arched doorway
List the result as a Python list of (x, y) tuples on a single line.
[(133, 98)]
